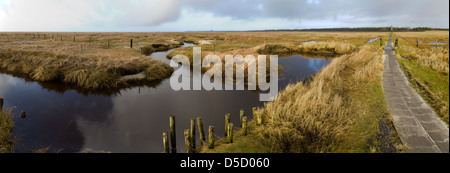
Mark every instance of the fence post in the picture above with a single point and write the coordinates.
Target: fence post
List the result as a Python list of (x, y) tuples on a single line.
[(192, 134), (73, 39), (230, 133), (211, 137), (227, 121), (241, 115), (61, 37), (187, 141), (131, 43), (173, 138), (108, 44), (81, 45), (244, 126), (1, 103), (200, 130), (165, 143)]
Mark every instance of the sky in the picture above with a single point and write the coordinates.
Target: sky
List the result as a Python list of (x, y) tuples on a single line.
[(216, 15)]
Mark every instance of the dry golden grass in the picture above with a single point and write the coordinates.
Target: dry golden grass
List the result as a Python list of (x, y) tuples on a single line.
[(87, 62), (435, 58), (317, 48), (6, 126), (322, 115)]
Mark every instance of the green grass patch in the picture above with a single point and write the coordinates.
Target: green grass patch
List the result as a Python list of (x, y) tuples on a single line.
[(430, 84)]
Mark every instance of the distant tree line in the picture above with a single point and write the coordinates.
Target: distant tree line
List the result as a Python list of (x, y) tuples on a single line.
[(367, 29)]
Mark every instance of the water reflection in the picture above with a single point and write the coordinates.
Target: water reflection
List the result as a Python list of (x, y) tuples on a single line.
[(70, 120)]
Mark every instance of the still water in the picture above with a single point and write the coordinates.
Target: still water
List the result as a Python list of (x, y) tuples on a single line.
[(130, 120)]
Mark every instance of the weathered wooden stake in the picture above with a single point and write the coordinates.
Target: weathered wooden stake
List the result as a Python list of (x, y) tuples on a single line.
[(241, 115), (230, 133), (201, 132), (211, 137), (1, 103), (53, 37), (173, 138), (165, 143), (23, 114), (227, 121), (131, 43), (81, 45), (61, 38), (192, 133), (244, 126), (187, 140), (259, 119), (381, 42), (417, 43)]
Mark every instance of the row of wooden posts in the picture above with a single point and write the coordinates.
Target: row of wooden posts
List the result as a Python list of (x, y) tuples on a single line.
[(74, 40), (190, 134), (22, 113)]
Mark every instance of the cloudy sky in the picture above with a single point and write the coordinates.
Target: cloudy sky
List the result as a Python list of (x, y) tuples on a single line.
[(218, 15)]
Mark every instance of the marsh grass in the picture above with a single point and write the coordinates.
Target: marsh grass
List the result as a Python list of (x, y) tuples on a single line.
[(338, 110), (6, 128), (92, 72)]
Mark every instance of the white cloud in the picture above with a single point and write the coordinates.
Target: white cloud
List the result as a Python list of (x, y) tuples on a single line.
[(183, 15)]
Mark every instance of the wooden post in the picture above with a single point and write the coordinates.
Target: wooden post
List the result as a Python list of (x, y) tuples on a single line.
[(81, 45), (230, 133), (1, 103), (23, 114), (53, 37), (381, 42), (108, 44), (61, 38), (201, 132), (227, 121), (417, 42), (241, 115), (211, 137), (73, 39), (173, 138), (44, 36), (244, 126), (259, 119), (131, 43), (192, 133), (187, 141), (165, 143)]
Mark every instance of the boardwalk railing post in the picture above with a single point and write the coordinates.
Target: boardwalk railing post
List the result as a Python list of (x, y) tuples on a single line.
[(227, 121), (192, 133), (187, 141), (165, 143), (244, 126), (1, 103), (241, 115), (230, 133), (173, 138), (211, 137), (201, 132)]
